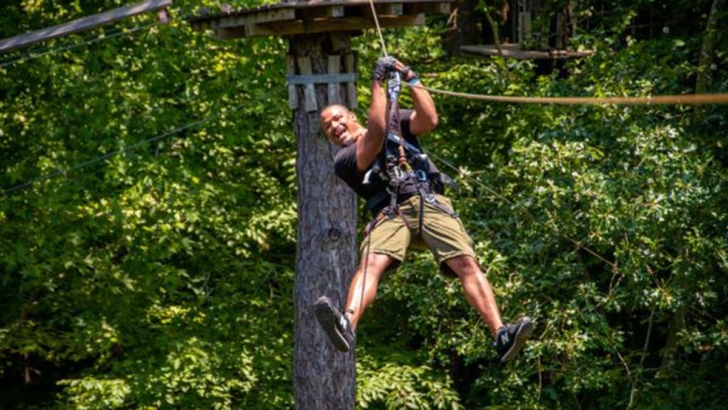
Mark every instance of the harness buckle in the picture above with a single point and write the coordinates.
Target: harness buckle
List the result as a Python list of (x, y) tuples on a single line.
[(421, 175), (394, 86), (368, 177), (430, 198)]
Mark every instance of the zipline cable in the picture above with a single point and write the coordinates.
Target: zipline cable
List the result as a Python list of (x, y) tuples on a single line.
[(122, 32), (683, 99)]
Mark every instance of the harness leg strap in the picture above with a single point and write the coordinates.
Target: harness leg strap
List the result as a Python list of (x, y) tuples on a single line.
[(437, 204), (431, 199), (387, 212)]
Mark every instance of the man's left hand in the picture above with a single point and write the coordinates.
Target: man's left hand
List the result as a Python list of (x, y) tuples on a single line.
[(384, 66)]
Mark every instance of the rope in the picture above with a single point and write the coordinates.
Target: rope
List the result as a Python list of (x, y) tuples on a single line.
[(364, 277), (686, 99), (366, 252), (379, 29)]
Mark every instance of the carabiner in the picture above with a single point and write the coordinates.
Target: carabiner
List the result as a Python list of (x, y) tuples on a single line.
[(394, 86)]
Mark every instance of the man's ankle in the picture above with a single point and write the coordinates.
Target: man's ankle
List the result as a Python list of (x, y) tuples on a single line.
[(349, 314)]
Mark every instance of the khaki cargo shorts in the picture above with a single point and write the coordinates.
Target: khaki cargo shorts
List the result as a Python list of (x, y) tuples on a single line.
[(442, 233)]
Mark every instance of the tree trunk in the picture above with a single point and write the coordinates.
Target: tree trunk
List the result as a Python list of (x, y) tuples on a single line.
[(323, 378), (707, 53)]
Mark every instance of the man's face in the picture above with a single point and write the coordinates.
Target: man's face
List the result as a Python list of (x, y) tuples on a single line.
[(339, 125)]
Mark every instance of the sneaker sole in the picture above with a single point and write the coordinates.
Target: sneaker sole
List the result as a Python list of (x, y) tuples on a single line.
[(522, 335), (326, 316)]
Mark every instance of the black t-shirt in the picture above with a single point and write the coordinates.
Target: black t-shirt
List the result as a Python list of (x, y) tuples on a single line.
[(346, 169)]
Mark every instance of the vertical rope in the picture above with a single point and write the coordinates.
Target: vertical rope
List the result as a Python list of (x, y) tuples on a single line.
[(364, 277), (379, 30), (368, 237)]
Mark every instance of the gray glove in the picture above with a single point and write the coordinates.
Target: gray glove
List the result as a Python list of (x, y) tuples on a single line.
[(413, 79), (384, 66)]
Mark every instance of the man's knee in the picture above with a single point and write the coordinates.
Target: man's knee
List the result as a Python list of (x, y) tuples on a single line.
[(464, 266), (376, 263)]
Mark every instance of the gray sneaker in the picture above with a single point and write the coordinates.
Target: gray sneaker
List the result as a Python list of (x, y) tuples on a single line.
[(510, 338), (335, 324)]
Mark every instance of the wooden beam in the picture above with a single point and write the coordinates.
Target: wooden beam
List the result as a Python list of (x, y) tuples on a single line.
[(82, 24), (255, 21), (230, 33), (428, 8), (389, 9), (322, 12), (320, 78), (340, 24), (255, 18)]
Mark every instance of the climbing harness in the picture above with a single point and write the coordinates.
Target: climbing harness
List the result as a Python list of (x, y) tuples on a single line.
[(402, 168)]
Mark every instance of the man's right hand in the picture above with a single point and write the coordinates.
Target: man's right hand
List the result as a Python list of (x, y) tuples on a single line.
[(408, 74), (384, 66)]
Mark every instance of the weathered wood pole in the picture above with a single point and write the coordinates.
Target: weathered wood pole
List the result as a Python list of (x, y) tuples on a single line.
[(323, 378)]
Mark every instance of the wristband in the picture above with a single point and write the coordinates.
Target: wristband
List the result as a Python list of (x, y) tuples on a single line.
[(414, 80), (406, 70)]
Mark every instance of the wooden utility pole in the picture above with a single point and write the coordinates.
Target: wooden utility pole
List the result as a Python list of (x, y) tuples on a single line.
[(321, 71), (323, 379)]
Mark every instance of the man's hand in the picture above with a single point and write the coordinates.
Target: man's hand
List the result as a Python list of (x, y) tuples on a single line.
[(409, 75), (384, 66)]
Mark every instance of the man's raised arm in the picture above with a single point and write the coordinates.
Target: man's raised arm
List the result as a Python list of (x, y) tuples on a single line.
[(424, 116), (369, 145)]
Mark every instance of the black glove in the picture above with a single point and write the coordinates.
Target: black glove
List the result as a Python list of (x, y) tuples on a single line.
[(384, 66)]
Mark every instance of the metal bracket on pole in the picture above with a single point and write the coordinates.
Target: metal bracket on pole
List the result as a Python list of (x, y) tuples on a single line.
[(320, 78)]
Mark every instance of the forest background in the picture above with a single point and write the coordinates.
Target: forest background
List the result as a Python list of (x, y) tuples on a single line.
[(148, 217)]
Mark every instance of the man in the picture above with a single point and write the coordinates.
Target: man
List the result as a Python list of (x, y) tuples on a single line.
[(403, 189)]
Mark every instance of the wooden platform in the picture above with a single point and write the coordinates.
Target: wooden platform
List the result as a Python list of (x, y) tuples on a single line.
[(515, 51), (292, 18)]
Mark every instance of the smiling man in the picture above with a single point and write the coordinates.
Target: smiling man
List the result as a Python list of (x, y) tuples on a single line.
[(404, 190)]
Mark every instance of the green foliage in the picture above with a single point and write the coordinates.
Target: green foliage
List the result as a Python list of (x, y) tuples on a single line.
[(149, 264), (155, 278), (390, 385), (605, 223)]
